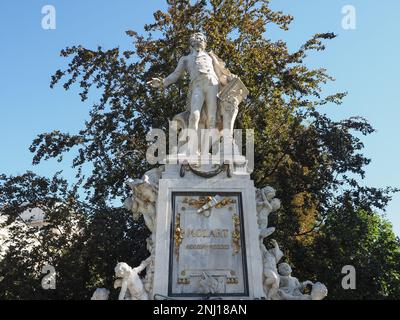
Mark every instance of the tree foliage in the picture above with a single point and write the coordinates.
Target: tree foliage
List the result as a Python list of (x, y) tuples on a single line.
[(354, 238), (315, 163)]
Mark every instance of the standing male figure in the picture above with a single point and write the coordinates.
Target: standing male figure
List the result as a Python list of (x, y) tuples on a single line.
[(207, 73)]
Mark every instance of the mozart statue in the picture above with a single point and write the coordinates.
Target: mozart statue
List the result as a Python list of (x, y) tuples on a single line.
[(208, 76)]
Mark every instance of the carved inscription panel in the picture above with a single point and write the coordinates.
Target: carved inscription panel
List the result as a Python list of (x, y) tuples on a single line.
[(207, 251)]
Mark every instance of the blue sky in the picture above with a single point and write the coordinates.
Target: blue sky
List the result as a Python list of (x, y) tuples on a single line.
[(364, 62)]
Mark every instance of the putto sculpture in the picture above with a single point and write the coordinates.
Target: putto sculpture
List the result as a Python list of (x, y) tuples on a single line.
[(278, 282), (143, 201), (129, 281), (266, 204), (292, 289), (288, 284), (271, 278)]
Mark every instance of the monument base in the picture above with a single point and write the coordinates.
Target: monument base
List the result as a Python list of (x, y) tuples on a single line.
[(207, 237)]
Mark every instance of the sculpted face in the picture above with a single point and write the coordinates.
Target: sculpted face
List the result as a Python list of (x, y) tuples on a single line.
[(285, 269), (198, 41), (121, 270), (269, 192)]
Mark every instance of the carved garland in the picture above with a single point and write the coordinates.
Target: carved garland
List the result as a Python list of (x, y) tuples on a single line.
[(236, 234), (206, 174), (179, 233)]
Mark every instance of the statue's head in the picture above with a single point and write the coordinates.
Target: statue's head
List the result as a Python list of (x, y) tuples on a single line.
[(122, 270), (319, 291), (198, 41), (269, 192), (284, 269)]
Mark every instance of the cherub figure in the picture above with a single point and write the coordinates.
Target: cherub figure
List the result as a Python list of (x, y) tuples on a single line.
[(318, 292), (271, 258), (266, 203), (143, 201), (290, 285), (130, 282), (207, 75)]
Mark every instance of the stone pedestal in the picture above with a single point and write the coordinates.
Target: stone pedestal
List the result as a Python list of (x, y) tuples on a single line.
[(207, 236)]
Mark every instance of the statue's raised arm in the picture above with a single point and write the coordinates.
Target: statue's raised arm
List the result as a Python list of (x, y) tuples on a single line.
[(172, 78)]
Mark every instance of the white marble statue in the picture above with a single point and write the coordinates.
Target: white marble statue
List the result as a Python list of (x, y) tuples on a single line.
[(144, 198), (213, 103), (129, 281), (143, 201), (206, 72), (279, 284), (266, 204), (271, 279), (208, 77), (288, 284), (101, 294), (292, 289)]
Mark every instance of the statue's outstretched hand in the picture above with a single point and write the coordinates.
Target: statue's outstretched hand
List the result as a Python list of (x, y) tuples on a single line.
[(155, 83)]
